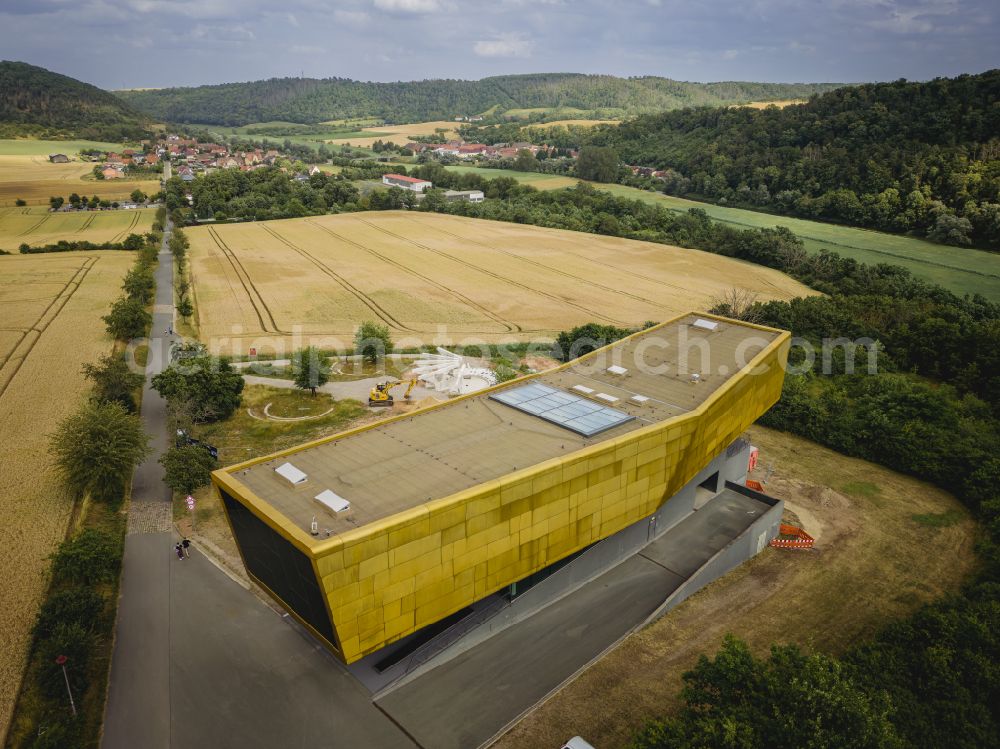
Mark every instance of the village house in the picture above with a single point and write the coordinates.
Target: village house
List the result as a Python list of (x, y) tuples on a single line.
[(109, 172)]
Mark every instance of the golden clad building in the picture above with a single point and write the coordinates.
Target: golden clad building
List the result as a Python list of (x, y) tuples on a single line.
[(373, 534)]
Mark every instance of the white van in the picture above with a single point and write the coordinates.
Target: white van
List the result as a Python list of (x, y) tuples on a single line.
[(577, 743)]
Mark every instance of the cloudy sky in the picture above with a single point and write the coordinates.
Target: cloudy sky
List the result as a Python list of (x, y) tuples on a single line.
[(155, 43)]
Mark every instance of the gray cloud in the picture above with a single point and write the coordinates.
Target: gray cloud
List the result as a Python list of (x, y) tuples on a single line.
[(187, 42), (511, 45)]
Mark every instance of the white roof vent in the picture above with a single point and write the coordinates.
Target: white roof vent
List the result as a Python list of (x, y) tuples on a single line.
[(705, 324), (583, 389), (641, 400), (607, 398), (616, 370), (291, 474), (332, 501)]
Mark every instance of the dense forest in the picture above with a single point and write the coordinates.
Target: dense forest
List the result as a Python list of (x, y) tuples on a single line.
[(310, 100), (39, 103), (901, 157)]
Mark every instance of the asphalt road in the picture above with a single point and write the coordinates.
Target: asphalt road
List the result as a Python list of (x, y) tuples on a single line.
[(243, 676), (138, 709)]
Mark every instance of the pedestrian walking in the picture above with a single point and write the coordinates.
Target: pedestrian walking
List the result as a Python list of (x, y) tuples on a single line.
[(186, 545), (180, 551)]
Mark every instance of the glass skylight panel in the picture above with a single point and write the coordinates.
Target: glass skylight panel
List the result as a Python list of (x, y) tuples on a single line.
[(565, 409)]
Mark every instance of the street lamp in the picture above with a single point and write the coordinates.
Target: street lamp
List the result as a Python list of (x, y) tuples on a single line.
[(61, 661)]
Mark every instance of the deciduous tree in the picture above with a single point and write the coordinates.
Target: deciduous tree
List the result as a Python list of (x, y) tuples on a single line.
[(310, 368), (97, 448)]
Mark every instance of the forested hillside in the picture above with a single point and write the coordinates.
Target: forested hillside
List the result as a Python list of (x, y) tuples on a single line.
[(309, 100), (899, 156), (39, 103)]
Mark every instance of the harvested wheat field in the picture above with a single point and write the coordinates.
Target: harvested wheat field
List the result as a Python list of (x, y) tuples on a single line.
[(50, 325), (39, 226), (34, 179), (399, 134), (574, 123), (441, 279), (779, 103)]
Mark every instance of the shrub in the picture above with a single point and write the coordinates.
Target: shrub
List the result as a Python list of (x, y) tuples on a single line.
[(56, 734), (91, 557), (82, 606)]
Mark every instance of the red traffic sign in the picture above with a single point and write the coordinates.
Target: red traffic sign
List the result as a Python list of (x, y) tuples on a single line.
[(61, 659)]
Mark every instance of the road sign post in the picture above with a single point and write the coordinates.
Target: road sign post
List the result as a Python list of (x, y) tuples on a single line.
[(190, 506), (61, 661)]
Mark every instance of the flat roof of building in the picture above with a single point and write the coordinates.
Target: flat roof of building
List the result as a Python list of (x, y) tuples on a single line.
[(391, 466)]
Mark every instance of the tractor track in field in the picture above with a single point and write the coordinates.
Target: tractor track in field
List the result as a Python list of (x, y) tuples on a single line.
[(511, 326), (612, 266), (374, 306), (247, 283), (497, 276), (75, 282), (522, 258), (87, 224), (120, 236), (34, 226)]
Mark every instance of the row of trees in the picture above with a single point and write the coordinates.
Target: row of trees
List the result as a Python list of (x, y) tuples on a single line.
[(94, 201), (129, 317), (178, 245)]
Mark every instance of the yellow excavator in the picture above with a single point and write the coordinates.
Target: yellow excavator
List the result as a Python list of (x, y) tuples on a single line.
[(380, 395)]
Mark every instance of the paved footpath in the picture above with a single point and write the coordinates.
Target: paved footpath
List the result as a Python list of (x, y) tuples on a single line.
[(138, 710)]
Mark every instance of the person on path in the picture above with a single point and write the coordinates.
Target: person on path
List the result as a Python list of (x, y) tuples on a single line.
[(180, 551), (186, 544)]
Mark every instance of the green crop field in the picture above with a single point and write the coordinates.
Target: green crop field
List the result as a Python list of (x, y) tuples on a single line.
[(961, 270), (27, 147)]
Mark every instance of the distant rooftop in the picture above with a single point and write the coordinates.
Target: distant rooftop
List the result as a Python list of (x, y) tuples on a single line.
[(395, 465), (403, 178)]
